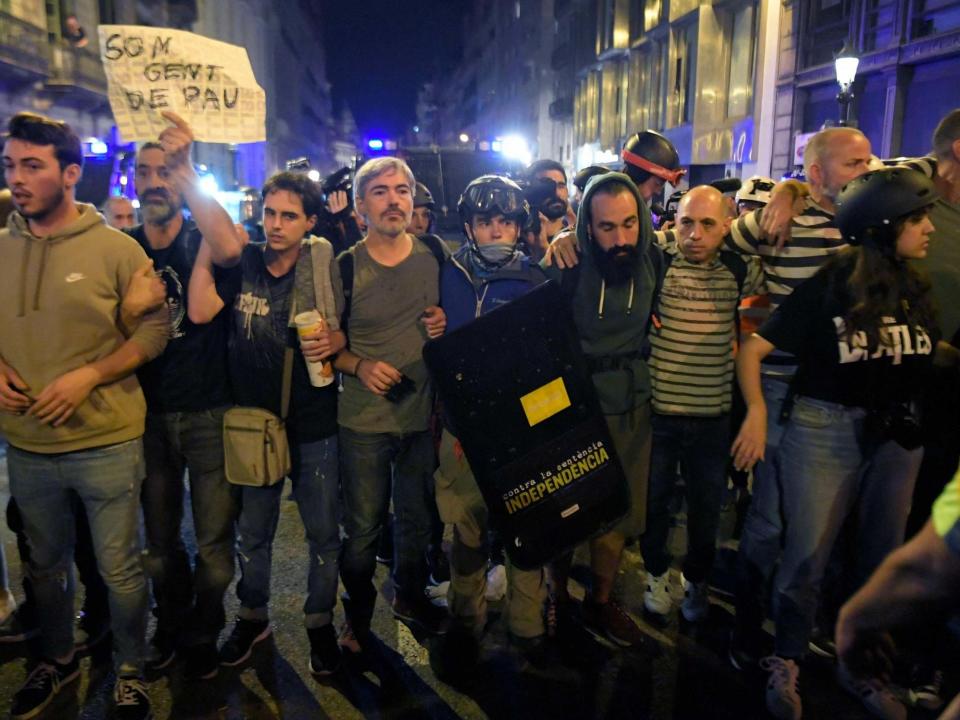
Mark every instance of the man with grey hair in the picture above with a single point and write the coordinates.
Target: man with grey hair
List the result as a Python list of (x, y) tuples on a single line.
[(391, 287), (119, 212)]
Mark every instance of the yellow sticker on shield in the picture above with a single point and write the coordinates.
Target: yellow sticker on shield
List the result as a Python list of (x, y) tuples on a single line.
[(545, 402)]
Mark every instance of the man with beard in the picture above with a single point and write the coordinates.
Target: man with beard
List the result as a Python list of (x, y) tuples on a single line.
[(611, 294), (187, 393), (384, 409), (73, 410)]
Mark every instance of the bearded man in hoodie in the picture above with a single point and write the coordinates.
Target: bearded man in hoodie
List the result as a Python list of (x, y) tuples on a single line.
[(73, 409), (611, 293)]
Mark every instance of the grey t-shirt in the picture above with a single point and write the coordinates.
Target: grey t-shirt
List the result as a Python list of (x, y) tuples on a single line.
[(942, 264), (385, 324)]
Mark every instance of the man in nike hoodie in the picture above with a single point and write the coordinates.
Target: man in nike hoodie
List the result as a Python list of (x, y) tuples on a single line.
[(73, 410), (611, 292)]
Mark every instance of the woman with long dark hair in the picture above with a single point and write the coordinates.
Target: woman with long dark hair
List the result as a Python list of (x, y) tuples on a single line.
[(864, 332)]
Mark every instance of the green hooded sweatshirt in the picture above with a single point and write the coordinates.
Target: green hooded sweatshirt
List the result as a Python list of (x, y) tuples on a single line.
[(59, 310), (612, 320)]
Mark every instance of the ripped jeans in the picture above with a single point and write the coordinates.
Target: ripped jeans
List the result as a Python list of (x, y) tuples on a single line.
[(107, 480), (316, 490)]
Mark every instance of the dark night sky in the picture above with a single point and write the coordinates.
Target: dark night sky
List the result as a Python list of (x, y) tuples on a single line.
[(380, 51)]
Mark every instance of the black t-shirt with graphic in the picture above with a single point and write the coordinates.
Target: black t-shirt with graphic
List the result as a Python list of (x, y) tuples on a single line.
[(191, 373), (810, 325), (259, 334)]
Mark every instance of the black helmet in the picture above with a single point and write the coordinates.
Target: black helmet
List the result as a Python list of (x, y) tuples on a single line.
[(423, 198), (869, 205), (493, 194), (581, 178), (650, 153)]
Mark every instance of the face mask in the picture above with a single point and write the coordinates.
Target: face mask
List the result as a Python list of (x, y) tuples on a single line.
[(497, 254)]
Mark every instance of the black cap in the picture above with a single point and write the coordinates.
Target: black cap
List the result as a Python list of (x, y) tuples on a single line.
[(423, 198), (869, 205), (581, 178)]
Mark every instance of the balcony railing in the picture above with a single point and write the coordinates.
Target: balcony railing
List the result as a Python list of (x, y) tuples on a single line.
[(22, 45), (76, 67)]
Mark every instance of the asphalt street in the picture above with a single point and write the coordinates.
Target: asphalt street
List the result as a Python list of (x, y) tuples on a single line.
[(690, 679)]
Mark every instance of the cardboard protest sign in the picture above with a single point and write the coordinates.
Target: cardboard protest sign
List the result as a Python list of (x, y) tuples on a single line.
[(517, 392), (208, 83)]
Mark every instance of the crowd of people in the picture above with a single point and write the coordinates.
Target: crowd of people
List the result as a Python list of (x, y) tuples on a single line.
[(796, 338)]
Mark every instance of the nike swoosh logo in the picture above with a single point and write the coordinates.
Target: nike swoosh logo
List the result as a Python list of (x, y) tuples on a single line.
[(74, 277)]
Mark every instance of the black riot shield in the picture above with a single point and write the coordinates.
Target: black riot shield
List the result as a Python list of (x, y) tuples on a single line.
[(517, 393)]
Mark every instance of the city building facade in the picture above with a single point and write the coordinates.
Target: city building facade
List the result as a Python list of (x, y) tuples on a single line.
[(906, 80), (42, 70)]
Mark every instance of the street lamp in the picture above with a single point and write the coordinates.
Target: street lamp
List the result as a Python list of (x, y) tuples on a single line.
[(846, 64)]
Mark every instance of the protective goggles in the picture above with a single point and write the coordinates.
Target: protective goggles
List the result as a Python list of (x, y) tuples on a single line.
[(671, 176), (495, 198)]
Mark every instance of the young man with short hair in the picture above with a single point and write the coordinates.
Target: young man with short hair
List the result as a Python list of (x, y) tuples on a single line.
[(487, 272), (74, 412), (259, 284)]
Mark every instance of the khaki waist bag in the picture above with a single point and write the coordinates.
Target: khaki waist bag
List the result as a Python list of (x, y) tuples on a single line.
[(255, 447), (256, 451)]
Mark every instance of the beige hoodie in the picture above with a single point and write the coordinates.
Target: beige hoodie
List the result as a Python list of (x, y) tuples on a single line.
[(59, 310)]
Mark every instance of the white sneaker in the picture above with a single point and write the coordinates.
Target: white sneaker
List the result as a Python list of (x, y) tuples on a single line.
[(437, 594), (496, 583), (783, 688), (656, 598), (7, 605), (696, 605), (873, 693)]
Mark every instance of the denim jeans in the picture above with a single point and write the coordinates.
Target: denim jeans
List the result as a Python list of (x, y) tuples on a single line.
[(701, 446), (371, 463), (316, 490), (762, 536), (96, 597), (830, 469), (189, 602), (107, 480)]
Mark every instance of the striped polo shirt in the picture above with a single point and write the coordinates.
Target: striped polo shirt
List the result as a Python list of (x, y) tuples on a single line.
[(691, 359), (814, 237)]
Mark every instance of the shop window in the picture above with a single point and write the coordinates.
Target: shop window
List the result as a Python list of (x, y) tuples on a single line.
[(827, 27), (879, 24)]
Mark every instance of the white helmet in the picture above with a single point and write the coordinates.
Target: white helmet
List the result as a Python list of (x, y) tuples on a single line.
[(757, 189)]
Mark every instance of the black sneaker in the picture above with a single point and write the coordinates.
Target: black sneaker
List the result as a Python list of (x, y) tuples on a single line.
[(41, 687), (202, 662), (130, 699), (161, 653), (325, 655), (15, 630), (239, 646), (422, 612)]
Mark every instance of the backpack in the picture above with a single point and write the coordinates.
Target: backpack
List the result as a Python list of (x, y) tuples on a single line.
[(345, 260)]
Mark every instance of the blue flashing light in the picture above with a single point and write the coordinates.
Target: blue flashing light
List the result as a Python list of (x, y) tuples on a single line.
[(96, 146), (375, 144)]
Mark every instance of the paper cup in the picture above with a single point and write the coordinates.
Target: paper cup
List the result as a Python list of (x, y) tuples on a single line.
[(321, 373)]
